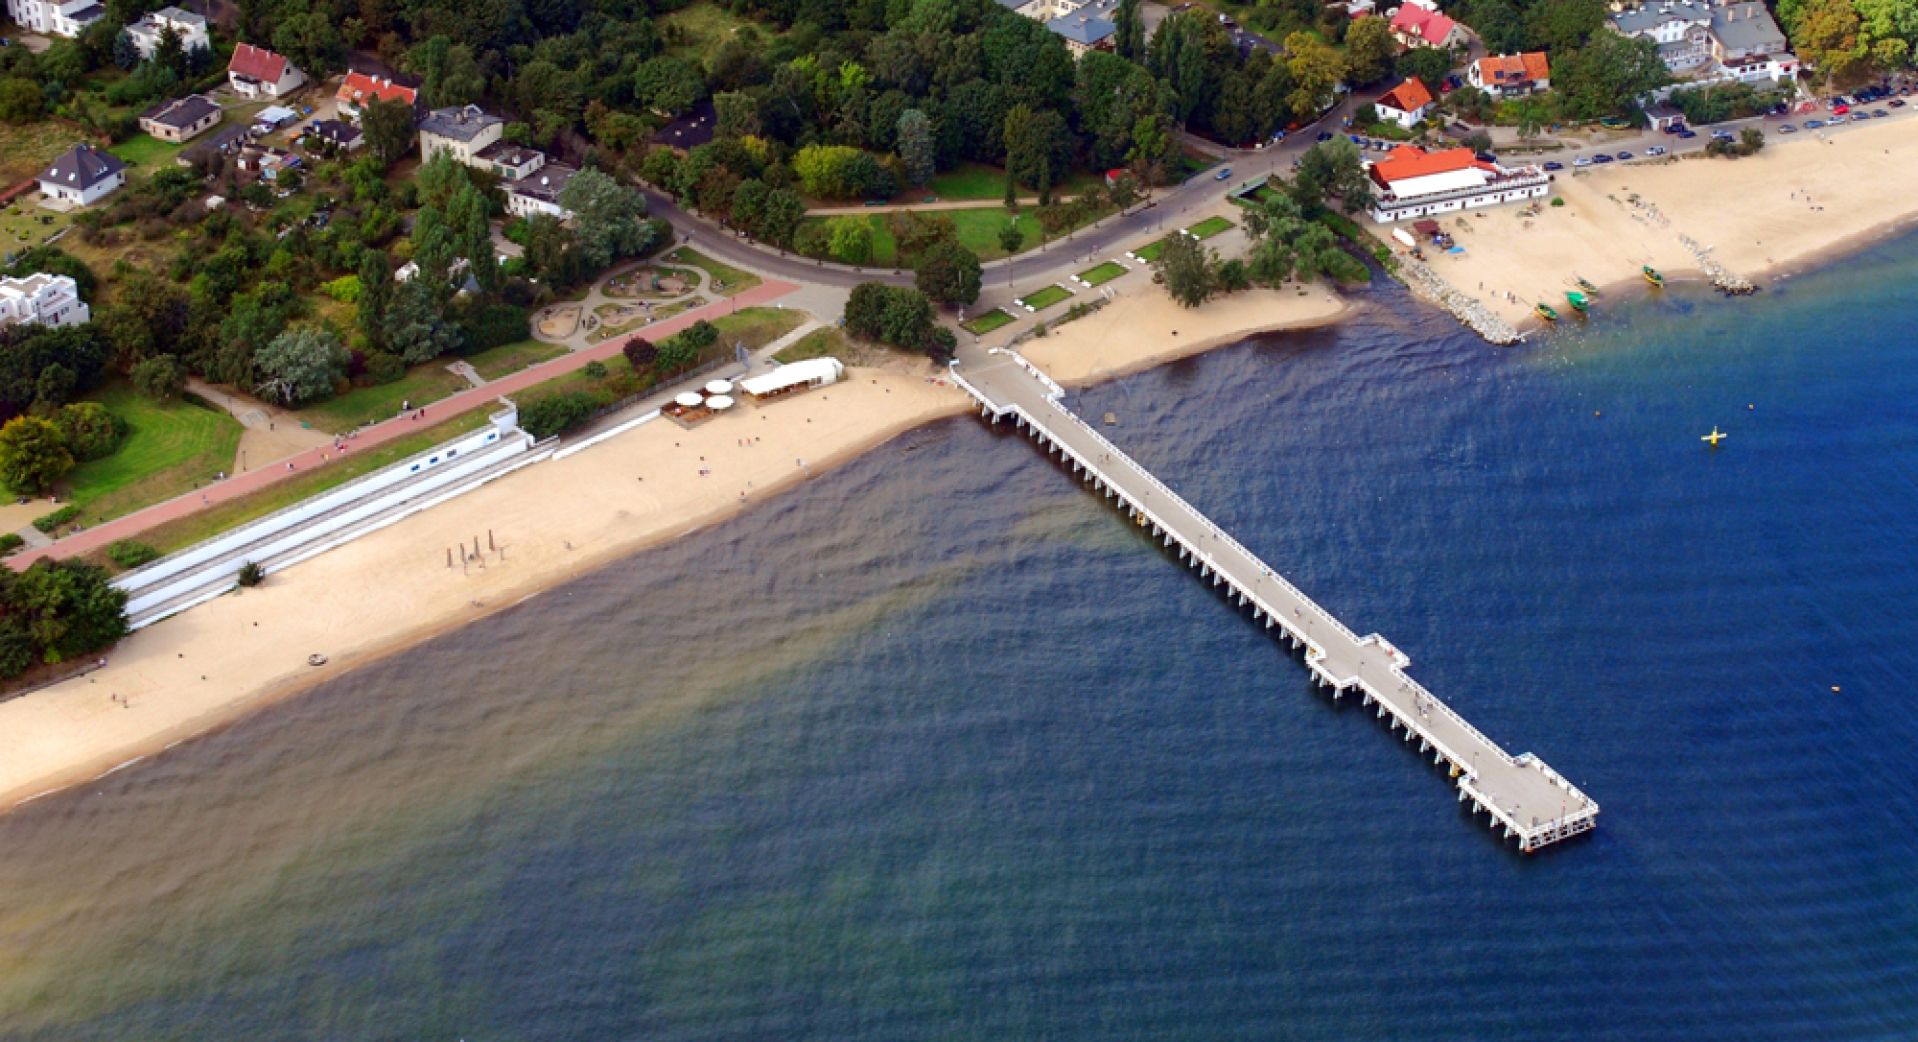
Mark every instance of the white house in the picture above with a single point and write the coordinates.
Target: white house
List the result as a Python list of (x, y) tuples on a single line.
[(359, 88), (256, 72), (1084, 25), (82, 176), (1420, 25), (511, 162), (1511, 75), (1737, 40), (539, 192), (55, 17), (47, 300), (1412, 182), (189, 27), (462, 133), (1405, 104)]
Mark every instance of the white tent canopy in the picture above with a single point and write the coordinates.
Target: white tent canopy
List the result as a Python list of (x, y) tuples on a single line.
[(812, 372), (719, 402), (689, 399), (719, 387)]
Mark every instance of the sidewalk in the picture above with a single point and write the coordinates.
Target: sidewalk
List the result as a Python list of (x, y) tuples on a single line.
[(261, 477)]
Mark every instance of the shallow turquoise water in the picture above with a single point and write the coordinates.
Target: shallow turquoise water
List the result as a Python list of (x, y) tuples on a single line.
[(939, 747)]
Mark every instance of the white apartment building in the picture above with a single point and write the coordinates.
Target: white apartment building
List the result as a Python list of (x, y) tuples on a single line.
[(189, 27), (55, 17), (41, 299)]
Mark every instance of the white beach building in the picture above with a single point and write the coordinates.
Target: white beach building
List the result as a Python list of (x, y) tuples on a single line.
[(793, 378), (1412, 182)]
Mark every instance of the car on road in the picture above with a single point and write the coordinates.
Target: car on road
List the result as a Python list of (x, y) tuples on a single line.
[(1836, 120), (1224, 172), (1325, 135), (1897, 103), (1624, 155), (1553, 164), (1787, 128), (1688, 134), (1879, 114), (1485, 157), (1721, 135), (1582, 161), (1840, 108), (1814, 124), (1602, 157), (1655, 150)]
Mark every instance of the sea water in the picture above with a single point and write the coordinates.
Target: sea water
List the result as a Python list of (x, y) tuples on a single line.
[(939, 746)]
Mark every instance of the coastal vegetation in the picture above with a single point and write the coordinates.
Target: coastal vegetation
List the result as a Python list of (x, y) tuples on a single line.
[(56, 611)]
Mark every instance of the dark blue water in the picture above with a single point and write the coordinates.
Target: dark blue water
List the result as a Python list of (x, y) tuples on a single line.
[(939, 748)]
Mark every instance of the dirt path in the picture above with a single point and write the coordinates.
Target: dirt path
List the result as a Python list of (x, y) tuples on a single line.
[(271, 433)]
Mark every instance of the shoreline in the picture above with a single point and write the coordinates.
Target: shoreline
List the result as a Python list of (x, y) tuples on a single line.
[(72, 733)]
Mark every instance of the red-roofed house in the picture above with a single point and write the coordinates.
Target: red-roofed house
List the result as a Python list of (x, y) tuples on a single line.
[(1412, 183), (257, 72), (1414, 25), (359, 88), (1405, 104), (1511, 75)]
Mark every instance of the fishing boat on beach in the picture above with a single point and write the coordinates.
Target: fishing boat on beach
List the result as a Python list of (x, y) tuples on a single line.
[(1546, 312), (1577, 301), (1652, 276), (1585, 285)]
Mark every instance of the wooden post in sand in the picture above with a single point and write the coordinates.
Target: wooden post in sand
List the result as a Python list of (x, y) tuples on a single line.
[(449, 558)]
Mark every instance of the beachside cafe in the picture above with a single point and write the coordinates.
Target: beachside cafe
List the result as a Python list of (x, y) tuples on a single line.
[(793, 378)]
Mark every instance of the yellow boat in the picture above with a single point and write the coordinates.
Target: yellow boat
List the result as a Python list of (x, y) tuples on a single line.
[(1652, 276)]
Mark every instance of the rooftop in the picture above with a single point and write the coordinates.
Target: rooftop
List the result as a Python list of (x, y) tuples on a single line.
[(257, 63), (182, 113), (1529, 67), (460, 124), (547, 184), (82, 167), (1409, 96)]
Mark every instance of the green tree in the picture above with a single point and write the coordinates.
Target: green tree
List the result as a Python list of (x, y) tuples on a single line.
[(90, 430), (610, 218), (389, 129), (1562, 26), (783, 214), (1186, 269), (21, 100), (735, 115), (33, 455), (1316, 67), (749, 205), (916, 149), (1429, 64), (450, 75), (1130, 39), (1830, 37), (849, 239), (1332, 168), (310, 40), (1011, 238), (416, 327), (160, 377), (300, 366), (1369, 50), (67, 608), (948, 273), (376, 295), (1605, 75)]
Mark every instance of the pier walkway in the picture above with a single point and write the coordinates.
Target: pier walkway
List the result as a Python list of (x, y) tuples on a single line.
[(1522, 795)]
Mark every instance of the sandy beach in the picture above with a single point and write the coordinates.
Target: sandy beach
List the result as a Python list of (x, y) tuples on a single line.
[(555, 520), (1795, 204)]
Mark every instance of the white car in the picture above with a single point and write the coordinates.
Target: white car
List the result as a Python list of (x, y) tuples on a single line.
[(1655, 150), (1582, 161)]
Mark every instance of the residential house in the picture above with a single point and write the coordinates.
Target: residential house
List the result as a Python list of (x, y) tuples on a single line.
[(359, 88), (41, 299), (266, 161), (1406, 104), (1415, 183), (181, 119), (1726, 41), (462, 133), (226, 141), (1416, 25), (1084, 25), (336, 133), (82, 176), (510, 162), (256, 72), (189, 27), (1511, 75), (540, 192), (55, 17)]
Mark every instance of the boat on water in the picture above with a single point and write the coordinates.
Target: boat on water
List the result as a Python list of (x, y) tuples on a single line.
[(1546, 312), (1586, 285), (1652, 276), (1577, 301)]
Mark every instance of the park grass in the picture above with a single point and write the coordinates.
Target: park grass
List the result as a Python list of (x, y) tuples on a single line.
[(979, 325), (604, 332), (422, 385), (1192, 164), (977, 181), (1150, 252), (825, 342), (25, 149), (170, 448), (977, 229), (1209, 227), (1047, 297), (507, 359), (148, 153), (736, 281), (756, 327), (205, 524), (698, 30), (24, 225), (1102, 273)]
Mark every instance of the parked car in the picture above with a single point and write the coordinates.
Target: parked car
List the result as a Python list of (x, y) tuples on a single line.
[(1787, 129), (1553, 164), (1688, 134), (1836, 120), (1325, 135), (1485, 157), (1879, 113), (1897, 103), (1582, 161), (1624, 155), (1655, 150), (1814, 124), (1839, 108), (1602, 157), (1224, 172)]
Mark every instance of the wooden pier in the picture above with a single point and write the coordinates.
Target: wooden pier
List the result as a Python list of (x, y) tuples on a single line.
[(1520, 794)]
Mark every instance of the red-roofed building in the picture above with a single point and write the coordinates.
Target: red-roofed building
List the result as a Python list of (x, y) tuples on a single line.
[(1414, 25), (256, 72), (1413, 183), (1511, 75), (359, 88), (1405, 104)]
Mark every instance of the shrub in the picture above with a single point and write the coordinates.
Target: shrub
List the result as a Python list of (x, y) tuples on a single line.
[(494, 326), (250, 575), (1558, 200), (11, 541), (159, 378), (557, 413), (91, 431), (595, 370), (345, 289), (640, 353), (384, 368), (130, 554), (48, 522)]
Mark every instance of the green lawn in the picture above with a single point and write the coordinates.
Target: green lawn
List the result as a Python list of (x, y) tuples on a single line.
[(1191, 164), (756, 327), (168, 450), (1209, 227), (976, 181), (1047, 297), (1150, 252), (736, 281), (25, 149), (1103, 273), (703, 28), (206, 524), (820, 343), (978, 325), (24, 225), (977, 229), (148, 152), (506, 359), (422, 385)]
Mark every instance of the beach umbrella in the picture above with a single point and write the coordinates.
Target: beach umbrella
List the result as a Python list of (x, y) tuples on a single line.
[(719, 387), (689, 399), (719, 402)]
